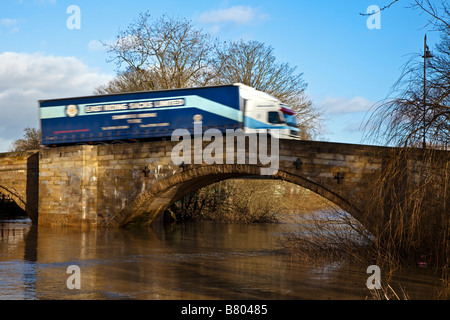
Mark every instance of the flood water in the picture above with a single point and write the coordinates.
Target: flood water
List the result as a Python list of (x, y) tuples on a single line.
[(194, 261)]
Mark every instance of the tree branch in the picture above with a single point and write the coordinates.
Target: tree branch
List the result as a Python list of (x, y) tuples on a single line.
[(384, 8)]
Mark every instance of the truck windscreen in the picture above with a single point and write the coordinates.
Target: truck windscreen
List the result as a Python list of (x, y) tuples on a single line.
[(290, 120)]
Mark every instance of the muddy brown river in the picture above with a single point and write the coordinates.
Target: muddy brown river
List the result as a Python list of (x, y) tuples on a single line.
[(194, 261)]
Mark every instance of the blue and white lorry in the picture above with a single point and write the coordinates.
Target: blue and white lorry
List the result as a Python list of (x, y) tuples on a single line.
[(156, 114)]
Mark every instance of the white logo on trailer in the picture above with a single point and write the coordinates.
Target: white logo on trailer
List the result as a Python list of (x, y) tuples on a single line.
[(72, 110)]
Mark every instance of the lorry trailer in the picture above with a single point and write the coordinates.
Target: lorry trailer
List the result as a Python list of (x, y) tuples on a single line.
[(156, 114)]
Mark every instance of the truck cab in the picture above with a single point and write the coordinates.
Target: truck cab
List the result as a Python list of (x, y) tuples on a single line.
[(265, 113)]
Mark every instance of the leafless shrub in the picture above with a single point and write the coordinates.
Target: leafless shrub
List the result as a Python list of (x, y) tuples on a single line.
[(30, 141), (388, 293), (230, 201), (327, 236), (410, 201)]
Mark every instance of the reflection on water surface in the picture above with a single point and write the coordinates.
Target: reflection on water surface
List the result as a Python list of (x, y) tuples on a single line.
[(188, 261)]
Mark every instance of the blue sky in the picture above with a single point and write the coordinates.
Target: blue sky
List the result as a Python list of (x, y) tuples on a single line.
[(348, 67)]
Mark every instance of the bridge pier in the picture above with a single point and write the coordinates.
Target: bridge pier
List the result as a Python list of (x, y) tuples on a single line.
[(19, 175), (68, 186), (89, 185)]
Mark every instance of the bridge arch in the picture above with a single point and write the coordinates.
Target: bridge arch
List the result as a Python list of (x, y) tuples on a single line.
[(157, 198), (14, 196)]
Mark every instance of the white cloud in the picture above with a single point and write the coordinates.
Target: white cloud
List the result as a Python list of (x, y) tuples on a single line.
[(5, 144), (345, 118), (95, 45), (11, 24), (235, 16), (8, 22), (27, 78), (46, 1), (41, 2), (339, 105)]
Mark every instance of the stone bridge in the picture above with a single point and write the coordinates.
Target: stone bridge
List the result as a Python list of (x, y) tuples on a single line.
[(19, 179), (113, 184)]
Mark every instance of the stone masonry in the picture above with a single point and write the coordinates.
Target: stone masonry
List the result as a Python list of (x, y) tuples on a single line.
[(111, 185), (19, 179)]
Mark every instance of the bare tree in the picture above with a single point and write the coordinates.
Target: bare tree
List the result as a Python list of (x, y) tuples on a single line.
[(381, 9), (30, 141), (128, 81), (419, 112), (254, 64), (415, 115), (438, 14), (171, 53), (161, 54), (426, 6), (413, 214)]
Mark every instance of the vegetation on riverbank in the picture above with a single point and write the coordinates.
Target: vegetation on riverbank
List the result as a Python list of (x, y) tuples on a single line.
[(410, 202), (245, 201), (407, 207), (410, 209)]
